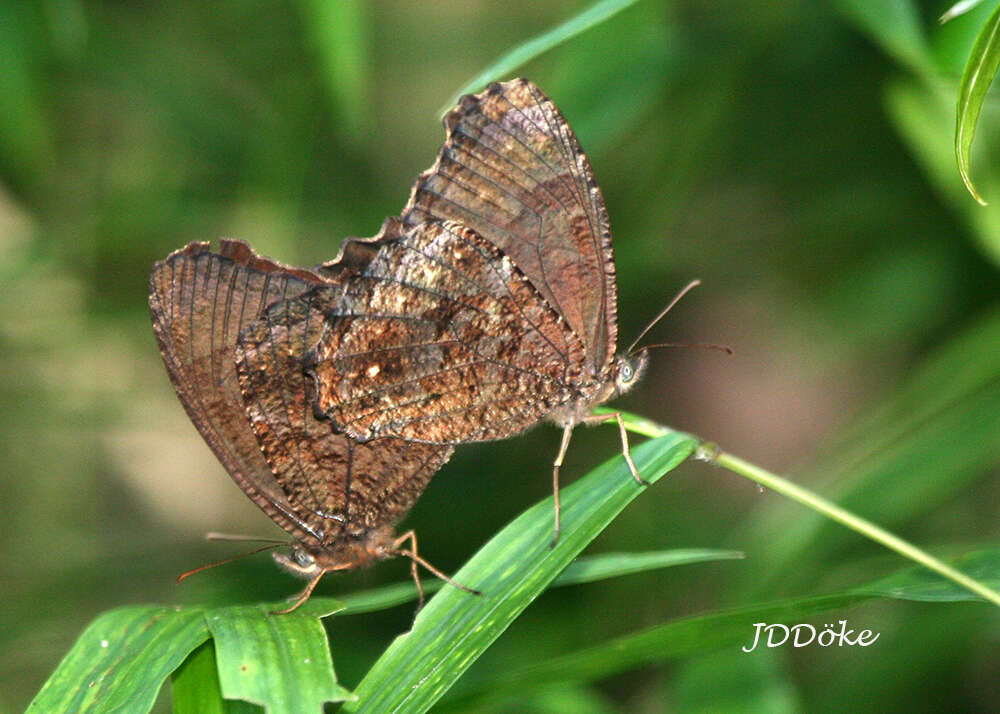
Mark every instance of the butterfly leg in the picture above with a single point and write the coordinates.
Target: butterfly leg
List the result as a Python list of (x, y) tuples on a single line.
[(626, 452), (416, 559), (411, 536), (303, 596), (556, 465)]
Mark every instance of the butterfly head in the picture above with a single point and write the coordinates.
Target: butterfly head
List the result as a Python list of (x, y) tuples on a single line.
[(628, 368), (298, 561)]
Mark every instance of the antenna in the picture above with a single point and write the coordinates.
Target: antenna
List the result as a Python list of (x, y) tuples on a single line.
[(684, 291), (700, 345), (189, 573)]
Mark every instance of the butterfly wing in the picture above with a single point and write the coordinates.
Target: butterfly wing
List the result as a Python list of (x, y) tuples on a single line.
[(442, 340), (512, 170), (343, 487), (200, 302)]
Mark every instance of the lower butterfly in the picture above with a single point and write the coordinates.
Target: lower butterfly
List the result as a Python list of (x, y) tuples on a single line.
[(338, 498)]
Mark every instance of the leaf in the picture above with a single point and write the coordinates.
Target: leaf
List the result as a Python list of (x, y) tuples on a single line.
[(120, 661), (26, 135), (194, 687), (339, 34), (670, 640), (585, 569), (924, 443), (279, 662), (925, 118), (506, 64), (713, 631), (895, 25), (511, 570), (958, 9), (922, 585), (612, 565), (980, 69)]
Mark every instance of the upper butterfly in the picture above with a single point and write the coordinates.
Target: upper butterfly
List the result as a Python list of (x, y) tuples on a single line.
[(337, 497), (490, 304)]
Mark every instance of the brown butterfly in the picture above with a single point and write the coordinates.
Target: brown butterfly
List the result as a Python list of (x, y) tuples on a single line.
[(490, 304), (337, 497)]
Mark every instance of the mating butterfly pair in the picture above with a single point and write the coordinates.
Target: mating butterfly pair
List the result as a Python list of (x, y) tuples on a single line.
[(332, 395)]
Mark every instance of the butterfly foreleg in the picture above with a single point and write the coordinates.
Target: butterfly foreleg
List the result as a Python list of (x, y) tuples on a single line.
[(302, 596)]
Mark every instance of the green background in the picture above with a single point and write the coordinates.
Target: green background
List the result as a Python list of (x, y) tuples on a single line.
[(795, 156)]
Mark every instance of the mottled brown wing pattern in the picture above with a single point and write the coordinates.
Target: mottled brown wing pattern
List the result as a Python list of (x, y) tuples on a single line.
[(343, 488), (200, 301), (441, 340), (512, 170), (316, 484)]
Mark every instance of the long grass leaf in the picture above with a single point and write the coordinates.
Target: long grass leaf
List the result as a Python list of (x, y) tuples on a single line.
[(581, 22), (980, 69), (510, 571)]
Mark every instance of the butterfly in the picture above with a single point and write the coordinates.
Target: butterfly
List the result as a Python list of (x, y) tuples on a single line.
[(489, 304), (337, 497)]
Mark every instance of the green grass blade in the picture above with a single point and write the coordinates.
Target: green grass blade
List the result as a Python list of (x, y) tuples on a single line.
[(506, 64), (957, 10), (896, 26), (922, 585), (726, 628), (919, 447), (511, 571), (339, 36), (384, 598), (678, 638), (613, 565), (121, 660), (194, 687), (585, 569), (279, 662), (980, 69)]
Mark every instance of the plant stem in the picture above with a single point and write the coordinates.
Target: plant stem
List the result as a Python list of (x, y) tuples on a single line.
[(710, 452)]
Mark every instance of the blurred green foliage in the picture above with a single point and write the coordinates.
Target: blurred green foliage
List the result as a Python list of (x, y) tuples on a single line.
[(797, 157)]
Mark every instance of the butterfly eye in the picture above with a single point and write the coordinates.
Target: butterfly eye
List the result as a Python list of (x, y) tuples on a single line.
[(627, 372), (303, 558)]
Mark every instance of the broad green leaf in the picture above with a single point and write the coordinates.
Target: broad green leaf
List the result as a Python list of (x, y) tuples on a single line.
[(713, 631), (979, 72), (120, 661), (505, 65), (194, 687), (585, 569), (511, 570), (279, 662)]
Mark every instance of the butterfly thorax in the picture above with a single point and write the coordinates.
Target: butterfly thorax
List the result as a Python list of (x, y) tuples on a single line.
[(621, 375), (348, 553)]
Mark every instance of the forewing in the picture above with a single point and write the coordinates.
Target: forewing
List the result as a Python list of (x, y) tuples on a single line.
[(512, 170), (338, 486), (441, 340), (200, 301)]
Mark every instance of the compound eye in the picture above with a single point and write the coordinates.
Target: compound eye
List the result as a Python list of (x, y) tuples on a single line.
[(627, 372), (303, 558)]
